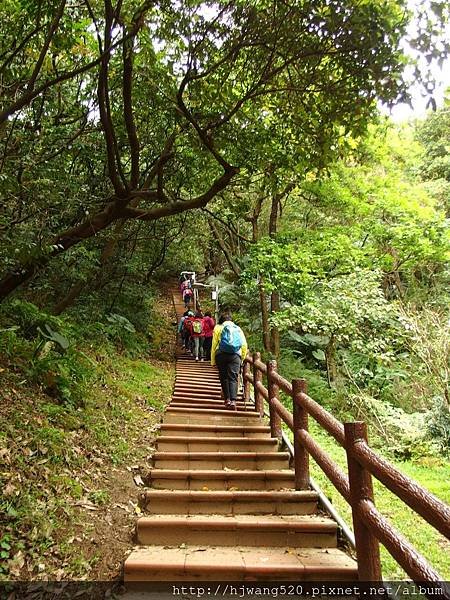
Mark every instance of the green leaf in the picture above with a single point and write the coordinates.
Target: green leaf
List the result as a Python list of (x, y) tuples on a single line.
[(319, 354), (54, 336)]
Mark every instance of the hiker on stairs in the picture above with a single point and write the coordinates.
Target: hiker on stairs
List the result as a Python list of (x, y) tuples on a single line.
[(198, 335), (182, 330), (186, 331), (208, 329), (229, 348)]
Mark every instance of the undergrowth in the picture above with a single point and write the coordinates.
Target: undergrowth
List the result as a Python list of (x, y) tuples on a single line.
[(78, 400)]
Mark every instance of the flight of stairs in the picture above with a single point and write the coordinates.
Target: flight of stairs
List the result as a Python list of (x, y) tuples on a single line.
[(220, 503)]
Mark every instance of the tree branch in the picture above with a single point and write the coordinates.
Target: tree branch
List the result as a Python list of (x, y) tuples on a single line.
[(128, 110), (47, 42), (104, 108), (221, 242), (22, 44), (28, 96), (227, 225), (173, 208), (202, 134)]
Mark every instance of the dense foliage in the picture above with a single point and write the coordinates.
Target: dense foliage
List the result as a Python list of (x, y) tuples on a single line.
[(360, 264), (242, 140)]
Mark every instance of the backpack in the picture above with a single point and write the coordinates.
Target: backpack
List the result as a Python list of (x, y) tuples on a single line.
[(230, 339), (197, 326), (187, 324)]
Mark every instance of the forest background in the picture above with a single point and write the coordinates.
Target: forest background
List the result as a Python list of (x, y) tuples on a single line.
[(242, 140)]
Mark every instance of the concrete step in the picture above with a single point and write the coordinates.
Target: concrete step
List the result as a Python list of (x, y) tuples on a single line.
[(216, 429), (255, 461), (187, 364), (292, 531), (206, 401), (206, 397), (209, 563), (219, 405), (211, 416), (180, 443), (194, 384), (208, 385), (206, 393), (213, 479), (208, 389), (229, 502)]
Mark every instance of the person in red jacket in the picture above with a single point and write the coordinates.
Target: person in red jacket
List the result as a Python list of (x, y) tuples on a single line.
[(208, 328), (187, 332), (198, 335)]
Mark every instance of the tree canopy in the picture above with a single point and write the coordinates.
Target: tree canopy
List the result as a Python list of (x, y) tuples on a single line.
[(147, 110)]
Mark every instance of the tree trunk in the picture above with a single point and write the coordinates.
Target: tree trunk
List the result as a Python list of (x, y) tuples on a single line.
[(69, 298), (13, 280), (66, 240), (222, 245), (274, 331), (264, 315), (275, 296), (330, 355), (114, 210)]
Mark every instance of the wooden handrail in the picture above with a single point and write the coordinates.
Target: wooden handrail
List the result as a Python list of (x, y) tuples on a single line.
[(337, 477), (435, 512), (263, 390), (369, 524), (282, 383), (260, 365), (404, 553), (283, 412), (323, 417)]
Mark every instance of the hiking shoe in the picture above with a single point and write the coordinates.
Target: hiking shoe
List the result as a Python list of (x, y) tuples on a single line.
[(232, 406), (202, 360), (196, 359), (227, 403)]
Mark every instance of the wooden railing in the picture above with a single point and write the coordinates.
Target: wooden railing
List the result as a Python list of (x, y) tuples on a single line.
[(369, 525)]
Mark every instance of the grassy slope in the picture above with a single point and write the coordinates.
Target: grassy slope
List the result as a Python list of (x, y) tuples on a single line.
[(67, 496), (432, 474)]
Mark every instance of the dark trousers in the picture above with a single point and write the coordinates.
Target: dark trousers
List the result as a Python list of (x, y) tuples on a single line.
[(207, 343), (229, 366)]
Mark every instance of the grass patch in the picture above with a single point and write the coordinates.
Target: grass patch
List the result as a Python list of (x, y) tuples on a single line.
[(144, 381)]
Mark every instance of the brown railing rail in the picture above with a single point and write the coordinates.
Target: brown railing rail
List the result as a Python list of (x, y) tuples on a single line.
[(369, 525)]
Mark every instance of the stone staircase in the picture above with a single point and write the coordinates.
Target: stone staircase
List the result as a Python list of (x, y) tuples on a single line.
[(221, 503)]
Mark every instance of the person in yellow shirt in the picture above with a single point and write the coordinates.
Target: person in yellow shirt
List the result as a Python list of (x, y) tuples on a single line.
[(229, 348)]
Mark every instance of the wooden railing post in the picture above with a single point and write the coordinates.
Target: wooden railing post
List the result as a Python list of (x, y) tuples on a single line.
[(300, 417), (245, 371), (257, 377), (360, 480), (274, 392)]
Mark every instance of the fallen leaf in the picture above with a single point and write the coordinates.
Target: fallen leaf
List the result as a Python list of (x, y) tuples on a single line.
[(87, 505), (16, 563), (138, 480), (9, 490), (5, 455)]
